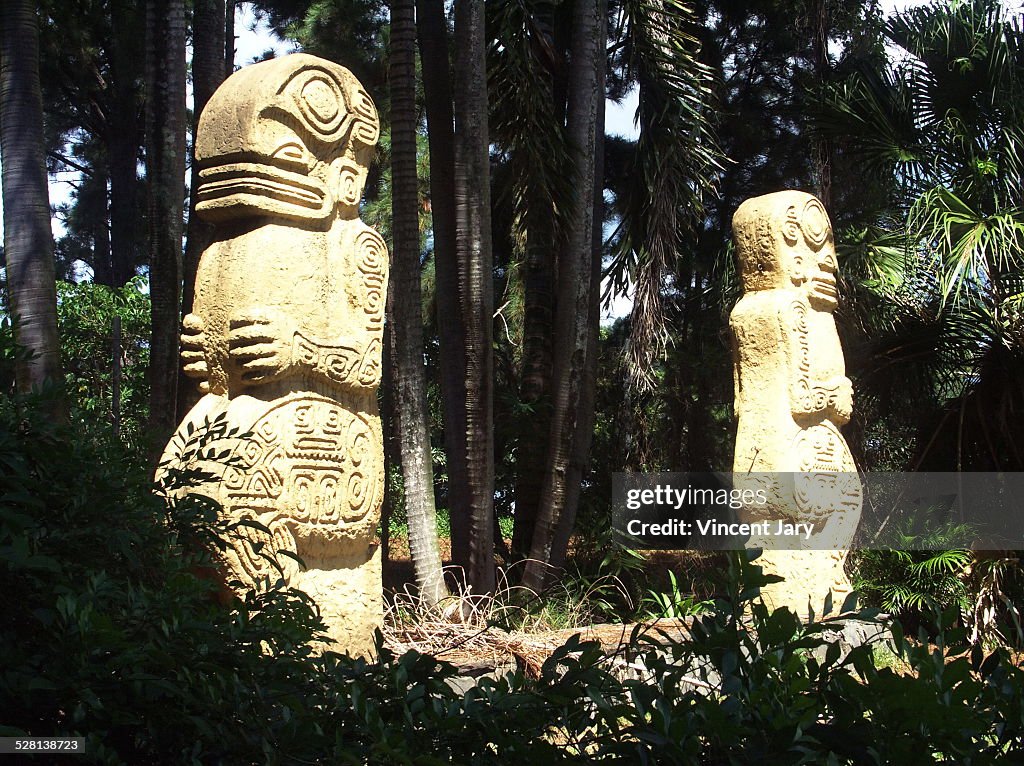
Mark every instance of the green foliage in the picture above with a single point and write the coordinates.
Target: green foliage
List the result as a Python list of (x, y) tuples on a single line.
[(8, 353), (913, 575), (85, 314), (942, 264), (673, 169), (915, 585), (671, 603), (903, 581), (351, 32), (113, 636), (996, 583)]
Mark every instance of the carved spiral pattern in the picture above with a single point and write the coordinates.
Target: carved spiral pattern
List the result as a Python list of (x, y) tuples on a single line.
[(350, 187), (247, 552), (314, 460), (320, 100), (803, 380), (791, 226), (371, 258), (367, 127), (814, 224)]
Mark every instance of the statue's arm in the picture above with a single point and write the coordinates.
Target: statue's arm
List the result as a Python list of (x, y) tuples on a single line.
[(810, 396), (737, 378), (346, 362), (265, 346)]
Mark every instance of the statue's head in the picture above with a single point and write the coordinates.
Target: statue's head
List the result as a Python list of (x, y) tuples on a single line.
[(286, 138), (785, 240)]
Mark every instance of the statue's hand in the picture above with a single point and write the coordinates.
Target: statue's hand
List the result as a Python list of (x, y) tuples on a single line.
[(841, 400), (258, 348), (193, 350)]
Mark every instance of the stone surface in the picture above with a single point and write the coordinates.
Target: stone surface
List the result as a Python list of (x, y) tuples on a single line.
[(285, 334), (792, 394)]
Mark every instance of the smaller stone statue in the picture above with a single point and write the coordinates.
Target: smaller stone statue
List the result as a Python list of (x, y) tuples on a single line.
[(792, 394)]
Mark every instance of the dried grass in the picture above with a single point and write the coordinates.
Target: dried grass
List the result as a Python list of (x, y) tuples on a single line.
[(476, 631)]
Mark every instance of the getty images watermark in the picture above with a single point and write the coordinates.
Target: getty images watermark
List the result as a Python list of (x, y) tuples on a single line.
[(713, 511)]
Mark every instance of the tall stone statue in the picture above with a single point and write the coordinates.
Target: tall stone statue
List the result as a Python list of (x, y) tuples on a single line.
[(285, 334), (792, 394)]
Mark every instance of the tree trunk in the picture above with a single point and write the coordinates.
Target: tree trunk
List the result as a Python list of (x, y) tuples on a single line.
[(28, 241), (99, 214), (573, 342), (406, 314), (433, 42), (584, 434), (123, 138), (208, 29), (822, 148), (538, 327), (229, 37), (475, 284), (165, 171), (535, 380)]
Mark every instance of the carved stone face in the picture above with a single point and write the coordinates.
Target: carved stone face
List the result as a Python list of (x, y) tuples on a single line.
[(784, 240), (286, 138)]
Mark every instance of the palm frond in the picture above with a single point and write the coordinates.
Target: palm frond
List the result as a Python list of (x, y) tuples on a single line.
[(521, 61), (675, 161)]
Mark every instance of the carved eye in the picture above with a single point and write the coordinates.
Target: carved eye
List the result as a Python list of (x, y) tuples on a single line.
[(292, 153), (814, 224)]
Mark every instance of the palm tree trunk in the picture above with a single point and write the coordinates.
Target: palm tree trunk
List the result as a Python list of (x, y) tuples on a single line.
[(433, 42), (406, 313), (475, 284), (229, 37), (584, 433), (822, 147), (208, 29), (28, 242), (535, 380), (538, 325), (165, 170), (574, 307), (123, 138)]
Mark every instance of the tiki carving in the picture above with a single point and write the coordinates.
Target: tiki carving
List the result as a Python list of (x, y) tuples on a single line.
[(792, 395), (285, 335)]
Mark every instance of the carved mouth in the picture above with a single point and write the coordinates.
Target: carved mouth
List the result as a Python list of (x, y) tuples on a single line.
[(825, 286), (252, 185)]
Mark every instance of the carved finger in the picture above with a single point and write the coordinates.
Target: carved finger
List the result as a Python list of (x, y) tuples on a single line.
[(192, 356), (255, 374), (193, 343), (251, 334), (196, 370), (255, 351), (248, 321), (192, 324), (261, 363)]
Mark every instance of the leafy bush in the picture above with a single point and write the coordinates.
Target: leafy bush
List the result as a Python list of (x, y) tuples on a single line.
[(86, 314), (672, 603), (110, 633), (901, 581)]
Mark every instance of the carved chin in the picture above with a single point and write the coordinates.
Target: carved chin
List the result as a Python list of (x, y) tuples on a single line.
[(249, 188)]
